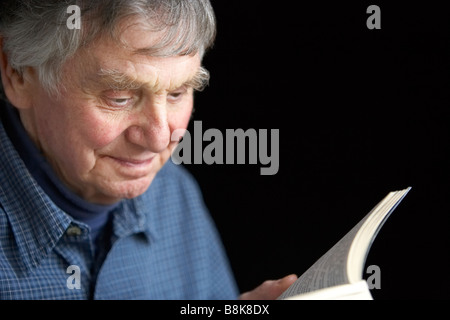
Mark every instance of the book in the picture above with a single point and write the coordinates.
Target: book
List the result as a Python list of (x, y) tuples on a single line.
[(338, 274)]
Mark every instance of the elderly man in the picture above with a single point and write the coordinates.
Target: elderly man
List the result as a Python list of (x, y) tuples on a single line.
[(90, 206)]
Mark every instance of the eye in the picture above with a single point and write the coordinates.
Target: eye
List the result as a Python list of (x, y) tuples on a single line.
[(120, 102), (177, 95), (118, 99)]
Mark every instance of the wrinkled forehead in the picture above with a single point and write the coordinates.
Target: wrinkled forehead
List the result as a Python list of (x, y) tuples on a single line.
[(164, 73), (155, 38), (140, 37), (108, 64)]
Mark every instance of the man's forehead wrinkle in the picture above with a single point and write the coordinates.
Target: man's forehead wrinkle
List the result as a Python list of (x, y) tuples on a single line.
[(117, 79), (125, 70)]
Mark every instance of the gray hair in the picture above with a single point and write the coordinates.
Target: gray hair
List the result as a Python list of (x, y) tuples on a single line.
[(35, 32)]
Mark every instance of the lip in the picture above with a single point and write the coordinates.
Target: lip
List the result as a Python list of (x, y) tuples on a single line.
[(133, 162)]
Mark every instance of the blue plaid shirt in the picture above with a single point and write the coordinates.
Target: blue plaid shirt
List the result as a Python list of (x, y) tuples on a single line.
[(164, 246)]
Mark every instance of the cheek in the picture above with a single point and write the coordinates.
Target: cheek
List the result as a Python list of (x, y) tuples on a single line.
[(180, 120), (77, 124), (98, 131)]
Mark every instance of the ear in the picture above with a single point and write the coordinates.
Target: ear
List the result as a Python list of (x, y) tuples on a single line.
[(17, 89)]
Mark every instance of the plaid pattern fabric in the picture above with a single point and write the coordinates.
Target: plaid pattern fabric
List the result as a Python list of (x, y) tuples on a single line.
[(165, 244)]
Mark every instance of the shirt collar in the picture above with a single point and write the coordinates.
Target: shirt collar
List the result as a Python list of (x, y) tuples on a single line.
[(130, 219)]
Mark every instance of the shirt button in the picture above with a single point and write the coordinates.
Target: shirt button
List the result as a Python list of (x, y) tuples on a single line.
[(73, 231)]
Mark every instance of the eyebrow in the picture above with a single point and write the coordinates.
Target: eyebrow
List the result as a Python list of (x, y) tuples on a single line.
[(119, 81)]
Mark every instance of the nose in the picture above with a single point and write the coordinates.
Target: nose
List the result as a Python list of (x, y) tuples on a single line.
[(151, 128)]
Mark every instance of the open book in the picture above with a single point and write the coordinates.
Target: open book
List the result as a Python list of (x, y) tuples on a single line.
[(338, 274)]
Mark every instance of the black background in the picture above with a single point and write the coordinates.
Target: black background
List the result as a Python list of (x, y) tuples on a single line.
[(360, 112)]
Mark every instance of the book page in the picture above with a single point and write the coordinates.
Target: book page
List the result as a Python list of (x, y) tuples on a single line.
[(329, 271), (368, 231), (332, 269)]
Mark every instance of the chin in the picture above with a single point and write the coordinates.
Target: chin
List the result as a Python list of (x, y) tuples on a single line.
[(117, 191), (136, 188)]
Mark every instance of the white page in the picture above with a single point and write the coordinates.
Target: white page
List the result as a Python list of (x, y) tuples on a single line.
[(332, 269)]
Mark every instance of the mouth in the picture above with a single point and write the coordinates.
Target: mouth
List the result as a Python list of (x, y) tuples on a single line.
[(132, 168), (133, 163)]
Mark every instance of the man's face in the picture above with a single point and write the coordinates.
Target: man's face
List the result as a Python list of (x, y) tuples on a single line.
[(110, 131)]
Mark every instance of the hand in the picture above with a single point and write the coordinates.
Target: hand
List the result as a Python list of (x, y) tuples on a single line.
[(270, 289)]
